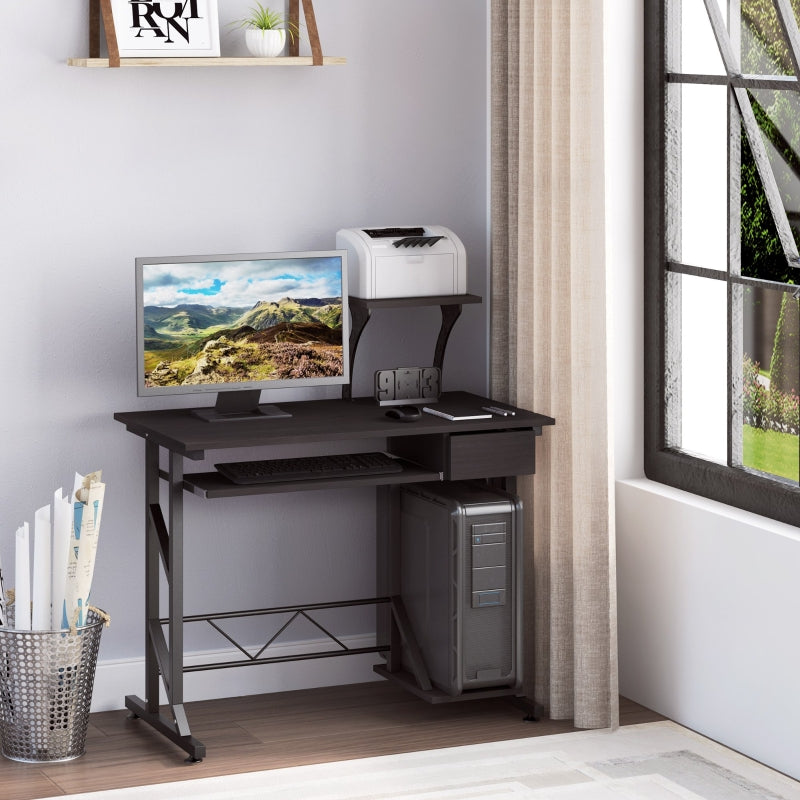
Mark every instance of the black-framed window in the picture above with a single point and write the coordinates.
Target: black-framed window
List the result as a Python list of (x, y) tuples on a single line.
[(722, 256)]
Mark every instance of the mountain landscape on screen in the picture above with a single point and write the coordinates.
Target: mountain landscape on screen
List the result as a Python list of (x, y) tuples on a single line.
[(290, 338)]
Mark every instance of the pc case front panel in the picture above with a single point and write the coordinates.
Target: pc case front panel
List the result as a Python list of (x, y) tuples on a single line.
[(460, 583), (488, 596)]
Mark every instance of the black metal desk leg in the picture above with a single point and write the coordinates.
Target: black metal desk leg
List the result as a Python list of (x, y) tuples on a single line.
[(173, 672), (387, 553), (152, 583), (164, 656), (175, 580)]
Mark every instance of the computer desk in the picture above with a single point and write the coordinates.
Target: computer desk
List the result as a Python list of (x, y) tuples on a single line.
[(433, 449)]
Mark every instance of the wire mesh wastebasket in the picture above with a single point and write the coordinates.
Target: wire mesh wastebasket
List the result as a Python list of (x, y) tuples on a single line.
[(46, 682)]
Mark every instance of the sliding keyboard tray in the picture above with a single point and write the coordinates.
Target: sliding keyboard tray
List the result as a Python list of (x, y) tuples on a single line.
[(213, 484), (309, 468)]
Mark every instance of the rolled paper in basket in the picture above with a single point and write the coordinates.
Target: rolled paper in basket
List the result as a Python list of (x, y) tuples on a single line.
[(87, 511)]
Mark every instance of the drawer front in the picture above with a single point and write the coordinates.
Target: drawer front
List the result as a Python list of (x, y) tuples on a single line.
[(491, 455)]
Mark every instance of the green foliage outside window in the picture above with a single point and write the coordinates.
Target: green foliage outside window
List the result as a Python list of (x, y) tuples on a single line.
[(764, 49), (771, 406), (771, 425), (765, 52), (783, 369), (762, 254), (767, 407)]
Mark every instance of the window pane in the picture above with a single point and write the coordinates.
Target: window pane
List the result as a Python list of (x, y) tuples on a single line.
[(699, 51), (699, 371), (697, 175), (764, 48), (771, 382), (778, 116)]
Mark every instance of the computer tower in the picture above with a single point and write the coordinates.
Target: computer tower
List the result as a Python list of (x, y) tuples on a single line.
[(461, 583)]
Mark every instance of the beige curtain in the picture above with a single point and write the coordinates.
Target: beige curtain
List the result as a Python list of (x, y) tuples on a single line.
[(549, 329)]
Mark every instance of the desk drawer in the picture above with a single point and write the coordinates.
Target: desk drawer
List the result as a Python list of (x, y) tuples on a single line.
[(465, 456), (490, 455)]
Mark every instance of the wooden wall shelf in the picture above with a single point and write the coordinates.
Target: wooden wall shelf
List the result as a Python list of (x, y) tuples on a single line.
[(102, 16), (281, 61)]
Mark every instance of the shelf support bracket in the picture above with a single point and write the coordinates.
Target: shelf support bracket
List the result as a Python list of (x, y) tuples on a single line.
[(359, 315), (94, 28), (450, 313), (102, 9), (311, 27)]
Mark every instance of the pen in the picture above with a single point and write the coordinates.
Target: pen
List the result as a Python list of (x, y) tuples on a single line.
[(501, 412)]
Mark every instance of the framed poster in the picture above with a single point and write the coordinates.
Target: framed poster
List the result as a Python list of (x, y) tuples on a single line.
[(163, 28)]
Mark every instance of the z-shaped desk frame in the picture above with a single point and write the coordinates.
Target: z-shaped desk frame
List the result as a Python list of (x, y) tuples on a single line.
[(433, 449)]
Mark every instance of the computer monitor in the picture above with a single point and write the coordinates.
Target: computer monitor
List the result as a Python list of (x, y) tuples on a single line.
[(237, 324)]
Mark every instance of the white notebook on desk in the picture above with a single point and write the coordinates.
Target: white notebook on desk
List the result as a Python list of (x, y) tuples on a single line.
[(456, 413)]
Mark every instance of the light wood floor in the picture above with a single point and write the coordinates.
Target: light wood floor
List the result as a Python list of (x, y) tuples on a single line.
[(248, 734)]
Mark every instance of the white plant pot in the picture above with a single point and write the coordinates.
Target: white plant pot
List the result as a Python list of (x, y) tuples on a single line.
[(264, 44)]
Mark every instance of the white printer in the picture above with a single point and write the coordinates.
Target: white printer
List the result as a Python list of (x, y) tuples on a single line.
[(417, 261)]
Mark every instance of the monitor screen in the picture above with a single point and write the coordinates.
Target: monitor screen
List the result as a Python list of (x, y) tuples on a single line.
[(237, 324)]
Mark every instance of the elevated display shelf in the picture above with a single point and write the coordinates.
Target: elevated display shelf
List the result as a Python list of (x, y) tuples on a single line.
[(361, 310)]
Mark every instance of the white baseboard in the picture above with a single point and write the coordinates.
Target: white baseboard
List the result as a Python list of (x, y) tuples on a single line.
[(118, 678)]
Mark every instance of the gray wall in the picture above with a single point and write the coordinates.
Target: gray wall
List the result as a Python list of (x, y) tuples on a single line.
[(101, 166)]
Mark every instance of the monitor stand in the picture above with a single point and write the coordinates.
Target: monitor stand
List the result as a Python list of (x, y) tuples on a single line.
[(239, 405)]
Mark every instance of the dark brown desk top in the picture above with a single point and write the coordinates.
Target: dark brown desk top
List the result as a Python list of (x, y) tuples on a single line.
[(312, 421)]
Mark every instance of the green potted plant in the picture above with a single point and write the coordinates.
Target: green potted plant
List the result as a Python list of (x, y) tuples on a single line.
[(265, 31)]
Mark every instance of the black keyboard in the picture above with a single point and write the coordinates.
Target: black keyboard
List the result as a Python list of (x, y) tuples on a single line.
[(304, 468)]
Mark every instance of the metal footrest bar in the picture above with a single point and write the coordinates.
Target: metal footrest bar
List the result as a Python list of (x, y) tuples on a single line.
[(277, 633), (324, 630), (353, 651), (177, 729), (366, 601), (296, 612)]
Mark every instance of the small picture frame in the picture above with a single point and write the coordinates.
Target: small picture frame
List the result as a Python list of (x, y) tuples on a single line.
[(169, 28)]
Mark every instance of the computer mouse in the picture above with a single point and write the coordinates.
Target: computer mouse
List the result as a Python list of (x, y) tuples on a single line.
[(404, 413)]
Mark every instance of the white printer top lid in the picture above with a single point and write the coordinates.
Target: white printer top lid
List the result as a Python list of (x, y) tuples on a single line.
[(406, 237)]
